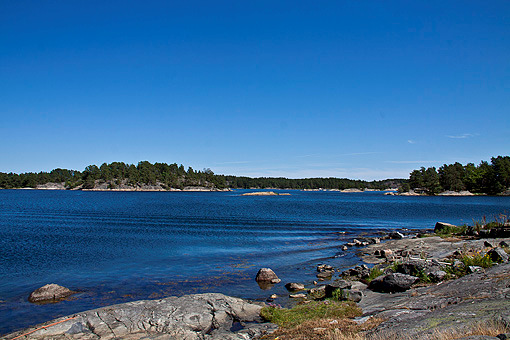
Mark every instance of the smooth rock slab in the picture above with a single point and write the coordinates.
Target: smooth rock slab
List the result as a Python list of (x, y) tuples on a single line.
[(190, 317)]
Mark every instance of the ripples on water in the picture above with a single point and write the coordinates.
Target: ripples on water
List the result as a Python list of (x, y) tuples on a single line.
[(122, 246)]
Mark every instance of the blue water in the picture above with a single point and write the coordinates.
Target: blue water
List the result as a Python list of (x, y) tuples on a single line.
[(116, 247)]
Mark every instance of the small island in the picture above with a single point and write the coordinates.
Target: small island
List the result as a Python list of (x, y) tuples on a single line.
[(265, 193)]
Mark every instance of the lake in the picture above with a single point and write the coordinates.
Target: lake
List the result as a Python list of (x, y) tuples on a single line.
[(115, 247)]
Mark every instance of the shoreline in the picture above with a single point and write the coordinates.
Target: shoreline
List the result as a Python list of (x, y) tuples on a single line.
[(398, 307)]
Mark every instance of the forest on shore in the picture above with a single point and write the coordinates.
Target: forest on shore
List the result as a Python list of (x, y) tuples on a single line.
[(486, 178), (173, 176)]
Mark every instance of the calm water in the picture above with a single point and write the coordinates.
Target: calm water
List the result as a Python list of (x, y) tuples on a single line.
[(116, 247)]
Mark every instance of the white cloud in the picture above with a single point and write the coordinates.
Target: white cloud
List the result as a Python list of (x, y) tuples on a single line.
[(410, 141), (412, 162), (462, 136)]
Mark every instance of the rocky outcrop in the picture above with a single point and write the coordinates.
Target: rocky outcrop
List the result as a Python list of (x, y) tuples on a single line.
[(483, 296), (202, 316), (456, 193), (51, 186), (49, 293)]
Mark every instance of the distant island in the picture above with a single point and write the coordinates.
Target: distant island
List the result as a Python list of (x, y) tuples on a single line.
[(451, 180)]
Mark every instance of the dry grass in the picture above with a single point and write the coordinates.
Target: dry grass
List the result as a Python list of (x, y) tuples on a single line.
[(325, 329), (345, 329), (487, 328)]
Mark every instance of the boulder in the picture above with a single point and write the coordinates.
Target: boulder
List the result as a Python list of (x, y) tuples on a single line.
[(357, 243), (324, 268), (396, 235), (354, 295), (49, 293), (415, 267), (487, 244), (267, 275), (292, 286), (473, 269), (361, 272), (297, 296), (437, 275), (386, 253), (318, 292), (325, 274), (444, 228), (391, 283), (498, 255)]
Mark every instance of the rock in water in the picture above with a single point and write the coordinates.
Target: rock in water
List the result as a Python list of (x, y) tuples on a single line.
[(391, 283), (49, 293), (396, 235), (267, 275), (292, 286)]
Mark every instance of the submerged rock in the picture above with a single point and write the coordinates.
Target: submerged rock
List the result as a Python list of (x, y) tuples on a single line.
[(49, 293)]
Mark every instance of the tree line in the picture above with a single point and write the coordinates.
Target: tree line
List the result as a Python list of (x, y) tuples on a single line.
[(492, 179), (175, 176)]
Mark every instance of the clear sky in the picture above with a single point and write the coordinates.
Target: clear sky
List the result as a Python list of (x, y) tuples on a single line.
[(357, 89)]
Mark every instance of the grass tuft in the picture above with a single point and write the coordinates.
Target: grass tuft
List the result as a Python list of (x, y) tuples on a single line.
[(374, 272), (288, 318)]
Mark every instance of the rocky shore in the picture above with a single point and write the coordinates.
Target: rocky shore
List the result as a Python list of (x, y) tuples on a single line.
[(413, 285), (110, 186)]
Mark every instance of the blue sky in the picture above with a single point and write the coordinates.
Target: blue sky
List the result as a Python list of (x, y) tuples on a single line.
[(357, 89)]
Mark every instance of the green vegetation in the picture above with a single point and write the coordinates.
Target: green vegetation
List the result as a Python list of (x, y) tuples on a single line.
[(288, 318), (340, 294), (485, 178), (174, 176), (374, 272), (478, 259), (449, 231)]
